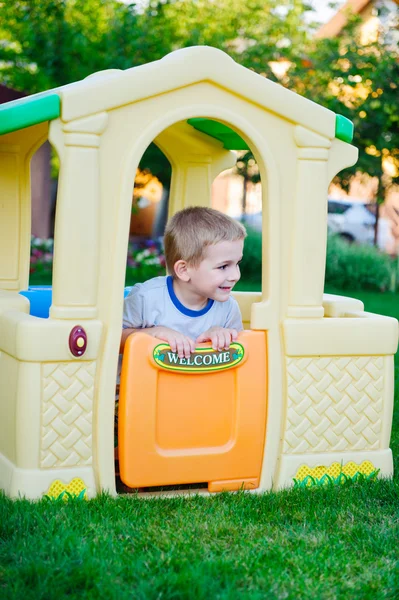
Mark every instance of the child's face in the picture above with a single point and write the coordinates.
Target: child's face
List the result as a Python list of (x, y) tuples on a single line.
[(218, 271)]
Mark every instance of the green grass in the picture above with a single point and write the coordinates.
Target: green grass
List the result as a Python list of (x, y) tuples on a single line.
[(322, 543)]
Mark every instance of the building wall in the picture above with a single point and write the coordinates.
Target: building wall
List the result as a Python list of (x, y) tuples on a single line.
[(40, 178), (41, 192)]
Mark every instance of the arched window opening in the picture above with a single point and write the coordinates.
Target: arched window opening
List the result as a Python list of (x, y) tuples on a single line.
[(238, 193), (197, 158), (149, 213), (44, 176)]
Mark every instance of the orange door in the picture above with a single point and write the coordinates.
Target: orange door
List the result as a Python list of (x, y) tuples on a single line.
[(197, 420)]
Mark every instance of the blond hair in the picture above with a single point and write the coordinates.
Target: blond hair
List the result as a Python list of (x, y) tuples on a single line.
[(193, 229)]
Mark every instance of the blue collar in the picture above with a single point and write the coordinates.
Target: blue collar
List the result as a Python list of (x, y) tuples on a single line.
[(186, 311)]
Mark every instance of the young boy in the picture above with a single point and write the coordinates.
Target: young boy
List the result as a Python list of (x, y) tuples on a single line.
[(203, 250)]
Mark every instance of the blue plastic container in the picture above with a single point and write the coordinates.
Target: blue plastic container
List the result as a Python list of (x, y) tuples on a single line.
[(40, 297)]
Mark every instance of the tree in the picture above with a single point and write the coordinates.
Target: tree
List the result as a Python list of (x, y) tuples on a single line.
[(247, 168), (359, 81), (254, 33), (49, 43)]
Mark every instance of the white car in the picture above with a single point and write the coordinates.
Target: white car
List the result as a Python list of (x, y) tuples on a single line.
[(354, 221)]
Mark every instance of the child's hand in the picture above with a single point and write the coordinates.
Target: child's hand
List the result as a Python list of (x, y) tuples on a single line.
[(220, 337), (178, 342)]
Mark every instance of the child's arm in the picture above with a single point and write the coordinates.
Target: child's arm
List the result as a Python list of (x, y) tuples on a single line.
[(134, 320), (178, 342)]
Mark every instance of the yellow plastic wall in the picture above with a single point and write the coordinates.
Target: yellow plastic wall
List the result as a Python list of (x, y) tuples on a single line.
[(59, 409)]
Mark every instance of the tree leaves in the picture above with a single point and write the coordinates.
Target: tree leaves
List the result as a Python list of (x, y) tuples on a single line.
[(48, 43)]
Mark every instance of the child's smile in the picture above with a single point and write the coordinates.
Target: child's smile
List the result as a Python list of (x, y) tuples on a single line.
[(214, 277)]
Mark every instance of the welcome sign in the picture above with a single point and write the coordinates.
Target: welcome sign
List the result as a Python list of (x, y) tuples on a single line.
[(200, 361)]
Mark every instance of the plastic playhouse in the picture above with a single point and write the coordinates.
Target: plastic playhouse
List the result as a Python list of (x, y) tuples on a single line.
[(308, 388)]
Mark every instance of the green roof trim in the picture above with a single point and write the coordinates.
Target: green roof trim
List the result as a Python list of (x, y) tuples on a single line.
[(23, 113), (343, 129), (230, 139)]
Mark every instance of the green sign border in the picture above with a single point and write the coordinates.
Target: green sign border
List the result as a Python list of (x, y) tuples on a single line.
[(206, 369)]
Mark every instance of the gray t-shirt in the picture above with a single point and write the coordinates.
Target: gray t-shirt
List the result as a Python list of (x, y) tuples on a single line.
[(154, 303)]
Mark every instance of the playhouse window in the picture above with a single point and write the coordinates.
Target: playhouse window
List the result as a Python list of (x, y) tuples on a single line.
[(238, 193)]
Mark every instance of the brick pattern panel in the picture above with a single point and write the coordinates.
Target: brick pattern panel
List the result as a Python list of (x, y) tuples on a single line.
[(67, 408), (334, 404)]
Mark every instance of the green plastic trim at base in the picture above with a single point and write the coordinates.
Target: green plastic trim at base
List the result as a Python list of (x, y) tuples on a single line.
[(340, 479), (23, 113), (343, 129), (231, 140)]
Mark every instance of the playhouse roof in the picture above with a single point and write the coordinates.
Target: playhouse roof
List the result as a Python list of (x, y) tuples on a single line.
[(110, 89)]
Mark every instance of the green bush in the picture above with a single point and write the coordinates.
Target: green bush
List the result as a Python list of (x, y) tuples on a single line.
[(145, 260), (355, 267), (348, 266), (41, 261), (251, 265)]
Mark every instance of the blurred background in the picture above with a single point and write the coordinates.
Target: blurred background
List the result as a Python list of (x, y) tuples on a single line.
[(343, 55)]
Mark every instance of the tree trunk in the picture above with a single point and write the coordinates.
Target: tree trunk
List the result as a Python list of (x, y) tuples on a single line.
[(377, 218), (244, 198), (379, 200)]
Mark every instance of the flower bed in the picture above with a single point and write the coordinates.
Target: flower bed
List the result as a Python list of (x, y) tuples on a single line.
[(41, 261), (348, 266), (145, 259)]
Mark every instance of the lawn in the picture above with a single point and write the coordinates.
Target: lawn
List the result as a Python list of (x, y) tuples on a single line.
[(324, 543)]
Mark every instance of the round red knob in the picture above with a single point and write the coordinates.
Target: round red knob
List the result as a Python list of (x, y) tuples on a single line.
[(78, 341)]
